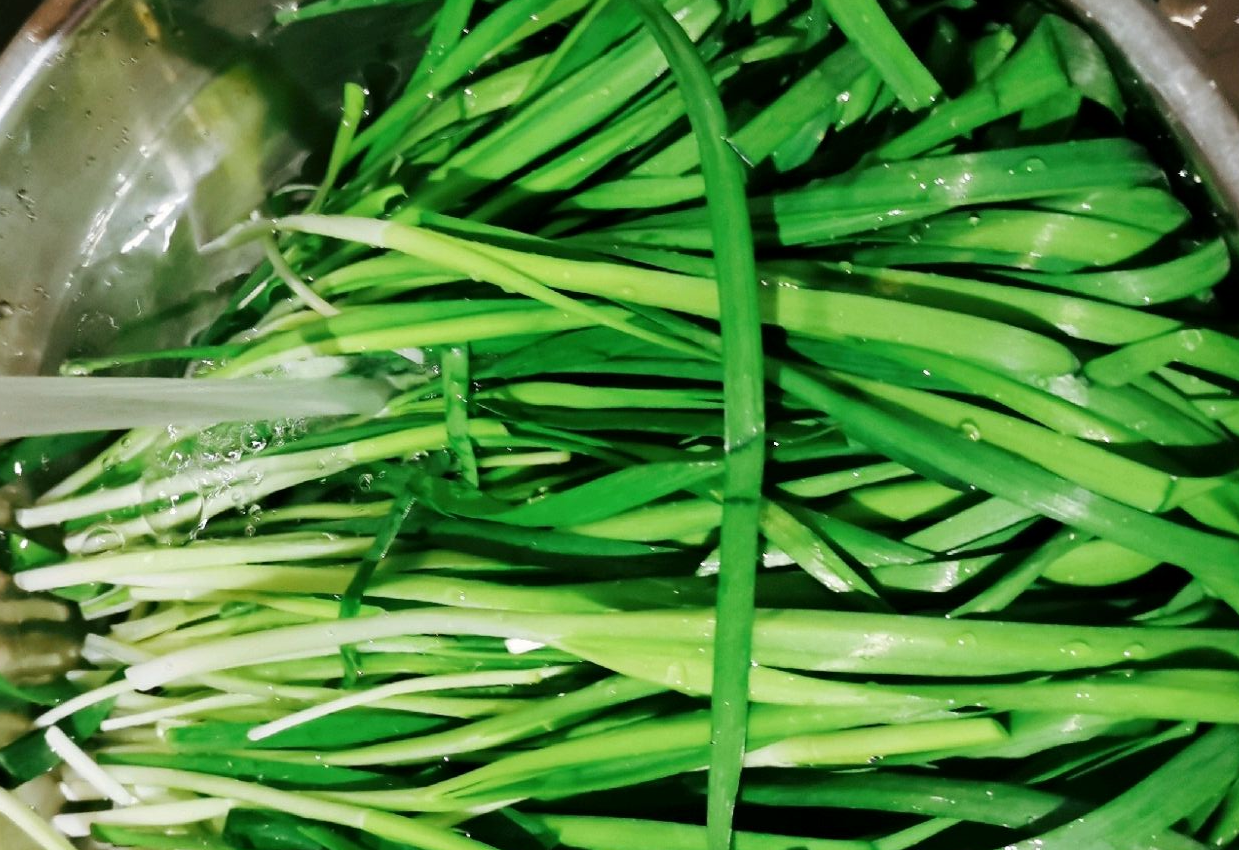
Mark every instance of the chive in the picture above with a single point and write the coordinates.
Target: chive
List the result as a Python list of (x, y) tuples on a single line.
[(380, 824), (385, 536), (1037, 488), (1182, 277), (1169, 794), (594, 833), (450, 24), (24, 818), (354, 106), (836, 397), (72, 405), (910, 793), (866, 24), (744, 421), (455, 364), (1032, 74), (482, 42), (321, 8)]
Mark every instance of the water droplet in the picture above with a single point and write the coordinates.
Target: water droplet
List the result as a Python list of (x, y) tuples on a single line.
[(1075, 649), (677, 675), (6, 309), (1033, 164), (102, 538), (966, 640), (1136, 652), (171, 517), (970, 430)]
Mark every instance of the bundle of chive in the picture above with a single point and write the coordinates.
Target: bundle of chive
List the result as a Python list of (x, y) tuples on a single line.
[(811, 427)]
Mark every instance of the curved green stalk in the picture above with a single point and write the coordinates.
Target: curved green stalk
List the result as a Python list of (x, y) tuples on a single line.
[(744, 396)]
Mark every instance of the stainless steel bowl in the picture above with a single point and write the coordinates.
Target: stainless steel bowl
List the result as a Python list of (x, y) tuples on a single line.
[(133, 131), (1179, 92)]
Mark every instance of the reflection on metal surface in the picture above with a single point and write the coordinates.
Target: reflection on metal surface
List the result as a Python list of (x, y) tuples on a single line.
[(146, 16), (1215, 29), (1177, 91), (133, 131), (146, 131), (1187, 14), (53, 16), (37, 638)]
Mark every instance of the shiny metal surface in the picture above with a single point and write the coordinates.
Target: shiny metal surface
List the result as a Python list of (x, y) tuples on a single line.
[(1213, 26), (131, 131), (1170, 76)]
